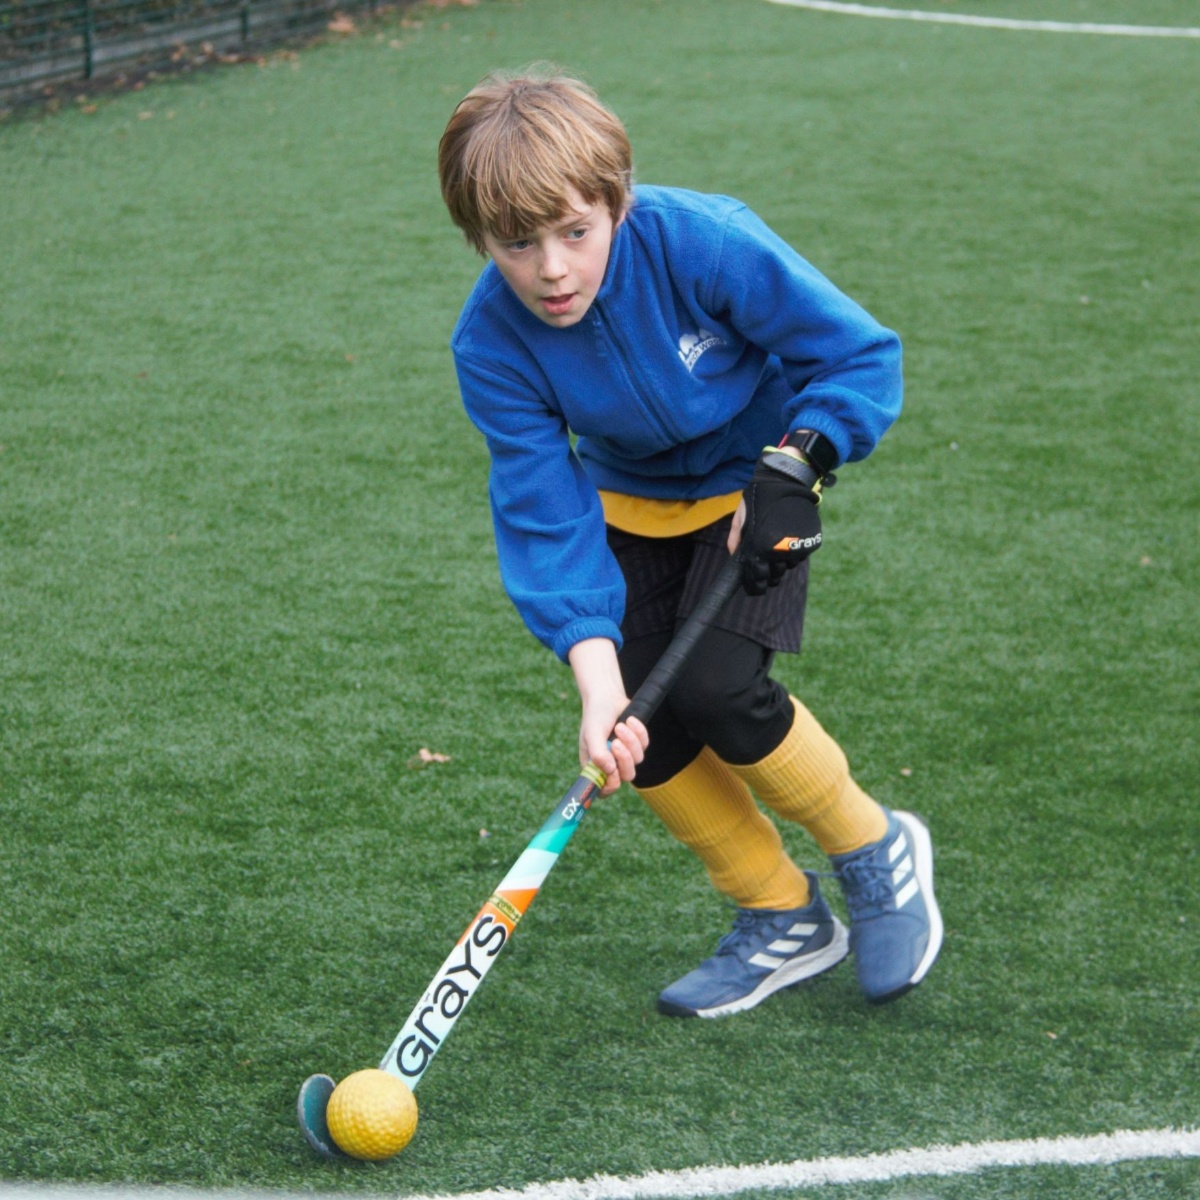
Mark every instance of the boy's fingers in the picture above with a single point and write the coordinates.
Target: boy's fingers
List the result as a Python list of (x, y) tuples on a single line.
[(626, 766), (735, 529), (606, 761), (598, 754), (630, 742), (640, 732), (618, 757)]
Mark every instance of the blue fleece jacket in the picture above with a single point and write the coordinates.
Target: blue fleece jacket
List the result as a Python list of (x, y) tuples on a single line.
[(710, 338)]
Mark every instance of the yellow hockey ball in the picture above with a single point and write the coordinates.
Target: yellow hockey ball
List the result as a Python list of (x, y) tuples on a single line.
[(372, 1115)]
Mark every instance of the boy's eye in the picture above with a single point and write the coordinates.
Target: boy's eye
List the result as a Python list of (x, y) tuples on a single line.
[(575, 234), (518, 244)]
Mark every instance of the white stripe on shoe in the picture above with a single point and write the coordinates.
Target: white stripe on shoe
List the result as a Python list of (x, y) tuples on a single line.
[(922, 846), (798, 969), (766, 961)]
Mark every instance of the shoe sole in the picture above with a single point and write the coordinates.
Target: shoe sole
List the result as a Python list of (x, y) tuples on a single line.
[(922, 852), (825, 959)]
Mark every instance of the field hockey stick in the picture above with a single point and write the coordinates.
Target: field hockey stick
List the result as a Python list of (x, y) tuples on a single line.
[(460, 975)]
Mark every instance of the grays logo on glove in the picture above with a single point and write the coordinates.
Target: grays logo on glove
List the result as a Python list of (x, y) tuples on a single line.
[(783, 526)]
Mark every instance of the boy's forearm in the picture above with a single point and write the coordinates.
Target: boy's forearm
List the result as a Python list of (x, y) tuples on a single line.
[(597, 672), (615, 748), (844, 366)]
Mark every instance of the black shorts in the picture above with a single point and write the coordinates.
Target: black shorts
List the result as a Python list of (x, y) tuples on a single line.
[(725, 697), (666, 577)]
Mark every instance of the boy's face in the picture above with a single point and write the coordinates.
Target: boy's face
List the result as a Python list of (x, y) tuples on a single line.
[(557, 269)]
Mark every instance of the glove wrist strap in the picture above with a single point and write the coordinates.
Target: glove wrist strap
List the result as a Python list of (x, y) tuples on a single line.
[(799, 469), (815, 447)]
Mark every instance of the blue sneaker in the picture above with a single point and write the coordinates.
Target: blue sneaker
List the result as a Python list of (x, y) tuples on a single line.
[(895, 925), (768, 949)]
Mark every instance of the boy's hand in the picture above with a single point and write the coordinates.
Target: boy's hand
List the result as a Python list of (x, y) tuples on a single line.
[(782, 526), (618, 751), (617, 758)]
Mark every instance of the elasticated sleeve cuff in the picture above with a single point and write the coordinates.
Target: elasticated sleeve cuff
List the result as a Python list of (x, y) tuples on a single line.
[(582, 629)]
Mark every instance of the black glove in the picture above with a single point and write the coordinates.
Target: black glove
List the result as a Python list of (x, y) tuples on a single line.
[(782, 525)]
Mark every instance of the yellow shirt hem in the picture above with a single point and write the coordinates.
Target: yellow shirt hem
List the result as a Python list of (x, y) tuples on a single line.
[(665, 518)]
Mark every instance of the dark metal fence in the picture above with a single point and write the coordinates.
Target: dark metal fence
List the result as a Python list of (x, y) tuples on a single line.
[(46, 42)]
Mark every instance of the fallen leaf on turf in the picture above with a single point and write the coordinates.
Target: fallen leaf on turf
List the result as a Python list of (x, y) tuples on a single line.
[(342, 24), (424, 758), (906, 771)]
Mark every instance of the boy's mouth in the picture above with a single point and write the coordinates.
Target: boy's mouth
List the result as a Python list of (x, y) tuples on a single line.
[(556, 306)]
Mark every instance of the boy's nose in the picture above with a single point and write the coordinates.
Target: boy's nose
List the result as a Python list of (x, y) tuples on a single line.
[(553, 266)]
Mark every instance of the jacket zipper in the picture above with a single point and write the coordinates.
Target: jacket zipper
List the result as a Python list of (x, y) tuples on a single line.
[(637, 382)]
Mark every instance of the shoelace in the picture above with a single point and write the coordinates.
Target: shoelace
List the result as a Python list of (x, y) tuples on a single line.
[(747, 927), (867, 886)]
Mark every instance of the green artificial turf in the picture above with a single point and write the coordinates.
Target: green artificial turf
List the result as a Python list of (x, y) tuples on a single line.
[(246, 574)]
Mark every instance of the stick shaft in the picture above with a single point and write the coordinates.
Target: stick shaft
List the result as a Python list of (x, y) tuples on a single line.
[(460, 975), (662, 676)]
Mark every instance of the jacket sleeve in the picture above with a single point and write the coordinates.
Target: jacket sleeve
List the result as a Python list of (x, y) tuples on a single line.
[(844, 368), (554, 557)]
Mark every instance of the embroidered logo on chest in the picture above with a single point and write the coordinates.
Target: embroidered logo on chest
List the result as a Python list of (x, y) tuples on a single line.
[(692, 345)]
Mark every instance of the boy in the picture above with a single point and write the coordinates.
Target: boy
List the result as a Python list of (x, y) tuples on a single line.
[(675, 336)]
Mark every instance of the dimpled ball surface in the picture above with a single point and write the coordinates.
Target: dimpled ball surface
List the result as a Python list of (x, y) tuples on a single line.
[(372, 1115)]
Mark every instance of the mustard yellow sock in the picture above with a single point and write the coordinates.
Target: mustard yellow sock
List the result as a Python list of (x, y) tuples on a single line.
[(806, 779), (712, 812)]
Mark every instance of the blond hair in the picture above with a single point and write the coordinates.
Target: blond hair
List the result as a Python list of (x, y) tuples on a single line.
[(516, 144)]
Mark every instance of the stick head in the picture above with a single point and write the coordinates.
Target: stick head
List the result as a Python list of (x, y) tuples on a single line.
[(310, 1112)]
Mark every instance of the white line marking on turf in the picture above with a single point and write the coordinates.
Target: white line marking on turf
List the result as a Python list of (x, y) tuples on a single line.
[(965, 1159), (918, 14)]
